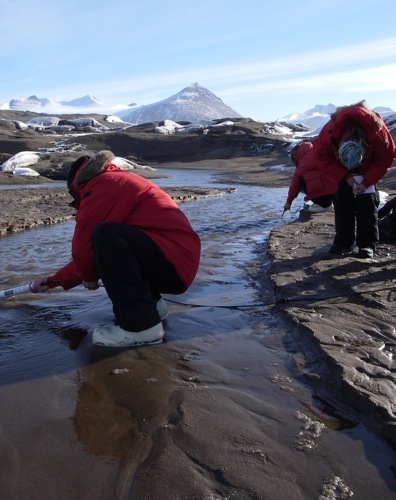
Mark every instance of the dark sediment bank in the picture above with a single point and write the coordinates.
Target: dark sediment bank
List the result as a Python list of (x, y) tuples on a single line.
[(340, 312)]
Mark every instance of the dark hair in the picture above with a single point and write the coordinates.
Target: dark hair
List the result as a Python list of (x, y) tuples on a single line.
[(72, 173), (293, 151)]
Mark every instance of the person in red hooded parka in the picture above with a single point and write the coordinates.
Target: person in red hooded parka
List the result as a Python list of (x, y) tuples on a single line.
[(307, 178), (130, 234), (357, 149)]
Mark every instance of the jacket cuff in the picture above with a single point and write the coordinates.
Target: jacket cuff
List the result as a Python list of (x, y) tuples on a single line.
[(52, 282)]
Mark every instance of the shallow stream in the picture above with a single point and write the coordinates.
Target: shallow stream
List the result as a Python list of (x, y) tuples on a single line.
[(292, 446)]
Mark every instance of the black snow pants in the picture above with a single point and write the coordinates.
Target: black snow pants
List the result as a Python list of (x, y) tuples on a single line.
[(134, 272), (356, 218)]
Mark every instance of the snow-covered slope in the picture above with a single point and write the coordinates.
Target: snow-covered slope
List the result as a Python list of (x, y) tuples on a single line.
[(86, 104), (316, 117), (190, 104), (313, 118)]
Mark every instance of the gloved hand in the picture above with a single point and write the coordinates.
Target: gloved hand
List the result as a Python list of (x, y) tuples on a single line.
[(39, 285), (286, 206), (91, 285)]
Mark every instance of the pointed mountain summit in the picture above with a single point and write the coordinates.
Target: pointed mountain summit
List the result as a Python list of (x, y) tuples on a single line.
[(190, 104)]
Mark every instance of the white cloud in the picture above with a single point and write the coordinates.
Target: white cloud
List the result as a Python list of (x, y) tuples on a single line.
[(376, 78), (305, 70)]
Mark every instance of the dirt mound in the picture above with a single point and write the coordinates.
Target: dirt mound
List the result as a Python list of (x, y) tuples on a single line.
[(241, 138)]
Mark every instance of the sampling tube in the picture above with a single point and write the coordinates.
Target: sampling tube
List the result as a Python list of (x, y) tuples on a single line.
[(15, 291)]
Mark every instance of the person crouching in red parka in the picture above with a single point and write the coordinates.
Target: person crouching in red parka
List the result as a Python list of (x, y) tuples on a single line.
[(130, 234), (307, 178)]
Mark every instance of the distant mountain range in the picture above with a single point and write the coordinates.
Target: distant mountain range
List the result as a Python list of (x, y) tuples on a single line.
[(316, 117), (86, 104), (192, 104), (312, 119)]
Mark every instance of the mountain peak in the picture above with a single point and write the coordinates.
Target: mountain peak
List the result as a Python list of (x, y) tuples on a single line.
[(312, 118), (87, 100), (323, 109), (191, 104)]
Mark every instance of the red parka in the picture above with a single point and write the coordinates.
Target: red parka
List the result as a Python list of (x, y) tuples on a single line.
[(317, 182), (105, 192), (380, 148)]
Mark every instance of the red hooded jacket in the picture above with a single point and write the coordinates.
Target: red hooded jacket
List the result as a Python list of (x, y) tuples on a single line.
[(104, 192), (317, 183), (380, 148)]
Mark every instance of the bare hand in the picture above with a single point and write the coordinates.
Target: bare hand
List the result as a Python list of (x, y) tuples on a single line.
[(39, 285), (91, 285), (351, 182)]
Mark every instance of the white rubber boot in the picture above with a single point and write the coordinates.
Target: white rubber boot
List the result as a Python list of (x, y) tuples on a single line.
[(316, 209), (162, 308), (115, 336)]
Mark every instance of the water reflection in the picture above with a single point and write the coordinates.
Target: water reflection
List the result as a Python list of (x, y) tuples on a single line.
[(33, 186), (41, 332)]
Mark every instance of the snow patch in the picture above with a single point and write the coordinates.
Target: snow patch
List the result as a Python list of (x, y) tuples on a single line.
[(22, 159), (25, 172), (44, 121), (129, 165)]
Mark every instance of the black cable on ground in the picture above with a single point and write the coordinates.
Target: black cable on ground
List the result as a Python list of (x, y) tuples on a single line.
[(280, 301), (283, 300)]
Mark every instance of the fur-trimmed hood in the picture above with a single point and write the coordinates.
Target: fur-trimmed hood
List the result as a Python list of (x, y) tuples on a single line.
[(94, 166)]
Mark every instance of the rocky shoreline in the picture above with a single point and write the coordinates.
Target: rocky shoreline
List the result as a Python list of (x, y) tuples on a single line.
[(340, 313)]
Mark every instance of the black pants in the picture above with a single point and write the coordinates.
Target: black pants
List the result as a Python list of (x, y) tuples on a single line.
[(134, 272), (356, 214), (323, 201)]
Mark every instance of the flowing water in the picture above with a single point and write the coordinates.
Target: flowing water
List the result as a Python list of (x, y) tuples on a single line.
[(294, 447)]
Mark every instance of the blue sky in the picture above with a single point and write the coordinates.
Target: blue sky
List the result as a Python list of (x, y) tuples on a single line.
[(264, 58)]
